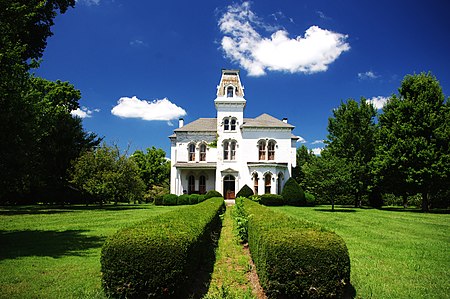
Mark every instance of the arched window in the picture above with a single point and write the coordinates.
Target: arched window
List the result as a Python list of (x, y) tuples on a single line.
[(230, 91), (271, 150), (262, 150), (229, 150), (233, 124), (226, 124), (191, 184), (280, 183), (226, 150), (202, 184), (233, 150), (255, 183), (267, 183), (191, 152), (202, 152)]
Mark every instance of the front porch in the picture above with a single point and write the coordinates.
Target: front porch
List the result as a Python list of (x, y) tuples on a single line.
[(194, 178)]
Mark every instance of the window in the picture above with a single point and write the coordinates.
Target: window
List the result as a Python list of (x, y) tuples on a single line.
[(226, 150), (255, 184), (203, 152), (202, 185), (229, 150), (262, 150), (271, 150), (191, 152), (280, 182), (233, 150), (226, 124), (191, 184), (230, 91), (267, 183), (233, 124)]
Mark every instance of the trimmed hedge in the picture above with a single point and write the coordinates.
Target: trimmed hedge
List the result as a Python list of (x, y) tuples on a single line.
[(294, 258), (293, 194), (170, 199), (245, 191), (193, 199), (271, 200), (157, 258), (183, 199), (212, 193)]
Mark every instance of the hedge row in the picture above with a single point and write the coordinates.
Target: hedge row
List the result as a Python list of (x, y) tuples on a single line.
[(185, 199), (157, 257), (293, 258)]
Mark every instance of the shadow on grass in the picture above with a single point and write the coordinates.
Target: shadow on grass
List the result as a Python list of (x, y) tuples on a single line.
[(349, 292), (415, 210), (56, 244), (47, 210), (336, 210)]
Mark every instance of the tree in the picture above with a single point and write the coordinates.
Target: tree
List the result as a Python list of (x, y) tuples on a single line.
[(327, 176), (293, 194), (352, 137), (105, 175), (415, 138), (303, 155), (154, 168)]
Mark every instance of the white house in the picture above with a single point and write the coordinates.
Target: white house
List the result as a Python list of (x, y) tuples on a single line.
[(226, 152)]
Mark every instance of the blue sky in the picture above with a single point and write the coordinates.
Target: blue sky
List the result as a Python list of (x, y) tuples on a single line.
[(140, 65)]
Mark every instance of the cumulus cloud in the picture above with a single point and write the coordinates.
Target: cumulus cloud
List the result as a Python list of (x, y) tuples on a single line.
[(147, 110), (378, 102), (317, 142), (317, 150), (242, 43), (83, 112), (367, 75)]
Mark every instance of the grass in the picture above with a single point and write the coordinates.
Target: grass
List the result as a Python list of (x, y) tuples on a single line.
[(48, 252), (230, 276), (394, 253)]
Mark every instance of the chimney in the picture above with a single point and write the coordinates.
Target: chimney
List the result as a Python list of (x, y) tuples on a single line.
[(180, 122), (285, 120)]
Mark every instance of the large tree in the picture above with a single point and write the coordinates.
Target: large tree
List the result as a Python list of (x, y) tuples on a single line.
[(303, 155), (415, 138), (352, 137), (154, 168)]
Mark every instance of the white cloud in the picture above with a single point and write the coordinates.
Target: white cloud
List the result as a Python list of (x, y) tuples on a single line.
[(138, 43), (378, 102), (317, 150), (367, 75), (317, 142), (88, 2), (147, 110), (310, 53), (301, 139), (83, 112), (322, 15)]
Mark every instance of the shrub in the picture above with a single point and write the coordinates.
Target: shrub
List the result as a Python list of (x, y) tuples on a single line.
[(193, 199), (293, 194), (201, 198), (310, 199), (271, 200), (245, 191), (255, 198), (160, 256), (183, 199), (170, 199), (212, 193), (294, 258)]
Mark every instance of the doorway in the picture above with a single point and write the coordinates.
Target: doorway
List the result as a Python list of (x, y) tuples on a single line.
[(229, 187)]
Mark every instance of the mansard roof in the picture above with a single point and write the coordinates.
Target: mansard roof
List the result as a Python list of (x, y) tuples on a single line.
[(199, 125), (265, 121)]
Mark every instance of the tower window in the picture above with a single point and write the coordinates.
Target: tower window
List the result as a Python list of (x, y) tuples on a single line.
[(226, 124), (229, 150), (226, 150), (230, 91), (233, 124), (229, 124)]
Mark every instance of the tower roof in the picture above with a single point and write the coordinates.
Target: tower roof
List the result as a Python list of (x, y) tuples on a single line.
[(230, 78)]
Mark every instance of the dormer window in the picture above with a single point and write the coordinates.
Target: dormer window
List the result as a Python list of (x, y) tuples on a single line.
[(230, 92)]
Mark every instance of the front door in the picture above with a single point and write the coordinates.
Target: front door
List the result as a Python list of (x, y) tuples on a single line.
[(229, 187)]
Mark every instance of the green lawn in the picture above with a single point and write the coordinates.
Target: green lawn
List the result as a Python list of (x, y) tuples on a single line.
[(48, 252), (394, 253)]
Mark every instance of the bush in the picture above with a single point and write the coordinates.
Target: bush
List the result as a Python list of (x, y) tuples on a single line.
[(294, 258), (293, 194), (201, 198), (193, 199), (160, 256), (310, 199), (212, 193), (183, 199), (271, 200), (170, 199), (245, 191)]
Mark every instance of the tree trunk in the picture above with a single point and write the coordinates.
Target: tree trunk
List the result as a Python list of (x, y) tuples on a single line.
[(405, 200), (425, 202)]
